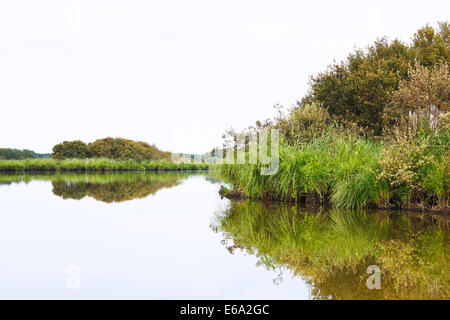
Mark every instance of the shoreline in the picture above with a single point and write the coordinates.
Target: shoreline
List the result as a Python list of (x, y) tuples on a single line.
[(236, 195), (95, 165)]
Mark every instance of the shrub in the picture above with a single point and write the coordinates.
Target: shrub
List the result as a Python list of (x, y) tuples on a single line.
[(419, 100), (70, 149), (304, 123), (124, 149), (359, 88)]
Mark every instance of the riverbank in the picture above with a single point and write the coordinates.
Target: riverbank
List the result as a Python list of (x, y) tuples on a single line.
[(352, 172), (95, 165)]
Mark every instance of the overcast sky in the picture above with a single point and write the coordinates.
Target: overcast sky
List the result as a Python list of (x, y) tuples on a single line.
[(174, 73)]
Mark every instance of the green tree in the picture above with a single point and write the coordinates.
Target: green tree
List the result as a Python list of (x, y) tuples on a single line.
[(9, 154), (124, 149), (71, 149), (432, 47), (424, 96), (359, 88)]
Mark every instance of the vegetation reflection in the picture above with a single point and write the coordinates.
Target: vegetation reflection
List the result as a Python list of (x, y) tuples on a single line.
[(117, 187), (332, 250)]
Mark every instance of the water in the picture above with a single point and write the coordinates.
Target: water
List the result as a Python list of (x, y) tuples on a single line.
[(170, 236)]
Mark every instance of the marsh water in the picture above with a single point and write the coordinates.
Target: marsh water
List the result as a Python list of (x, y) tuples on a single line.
[(171, 236)]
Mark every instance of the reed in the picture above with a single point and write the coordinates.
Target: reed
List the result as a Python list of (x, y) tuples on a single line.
[(344, 170), (95, 165)]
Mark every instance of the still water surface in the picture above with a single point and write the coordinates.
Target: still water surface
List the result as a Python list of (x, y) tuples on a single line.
[(170, 236)]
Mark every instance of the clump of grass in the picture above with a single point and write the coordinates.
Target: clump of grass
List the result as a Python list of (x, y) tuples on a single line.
[(353, 172), (355, 167), (341, 169)]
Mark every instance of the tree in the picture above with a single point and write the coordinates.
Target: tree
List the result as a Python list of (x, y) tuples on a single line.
[(71, 149), (124, 149), (432, 47), (8, 154), (359, 88), (424, 96), (303, 123)]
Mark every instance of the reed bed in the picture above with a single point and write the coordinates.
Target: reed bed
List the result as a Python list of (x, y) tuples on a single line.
[(95, 165), (341, 170)]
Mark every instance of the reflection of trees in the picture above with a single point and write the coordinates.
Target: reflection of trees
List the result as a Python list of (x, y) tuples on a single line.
[(116, 188), (331, 251), (106, 187), (69, 190), (213, 177)]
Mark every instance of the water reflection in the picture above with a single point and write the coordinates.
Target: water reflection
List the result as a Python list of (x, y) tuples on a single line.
[(328, 252), (114, 187), (332, 250)]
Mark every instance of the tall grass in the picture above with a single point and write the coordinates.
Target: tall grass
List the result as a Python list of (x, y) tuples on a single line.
[(343, 170), (355, 166), (94, 165)]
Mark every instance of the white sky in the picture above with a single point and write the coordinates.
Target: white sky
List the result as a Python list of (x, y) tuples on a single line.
[(174, 73)]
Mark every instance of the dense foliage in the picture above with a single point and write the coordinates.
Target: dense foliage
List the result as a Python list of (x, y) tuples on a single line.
[(423, 97), (9, 154), (360, 88), (71, 149), (331, 149), (123, 149), (111, 148), (350, 171)]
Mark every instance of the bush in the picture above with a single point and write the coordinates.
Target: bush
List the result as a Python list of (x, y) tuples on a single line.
[(124, 149), (71, 149), (303, 123), (420, 100), (359, 88), (416, 167)]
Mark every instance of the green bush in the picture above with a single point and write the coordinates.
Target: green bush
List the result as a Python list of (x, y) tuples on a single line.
[(71, 149), (124, 149)]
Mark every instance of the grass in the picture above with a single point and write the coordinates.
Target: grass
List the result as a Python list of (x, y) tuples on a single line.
[(342, 170), (94, 165)]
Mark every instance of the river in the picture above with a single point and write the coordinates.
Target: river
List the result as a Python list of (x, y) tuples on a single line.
[(171, 236)]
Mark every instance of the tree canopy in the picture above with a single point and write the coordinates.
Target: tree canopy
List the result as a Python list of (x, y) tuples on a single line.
[(359, 88), (111, 148), (16, 154), (71, 149)]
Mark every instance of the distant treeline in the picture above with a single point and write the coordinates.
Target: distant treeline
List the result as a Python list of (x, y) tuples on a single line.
[(111, 148), (16, 154)]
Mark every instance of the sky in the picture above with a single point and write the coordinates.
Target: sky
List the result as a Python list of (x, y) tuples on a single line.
[(174, 73)]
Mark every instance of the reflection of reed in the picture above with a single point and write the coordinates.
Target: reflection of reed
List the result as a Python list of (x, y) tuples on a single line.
[(332, 250), (108, 188)]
